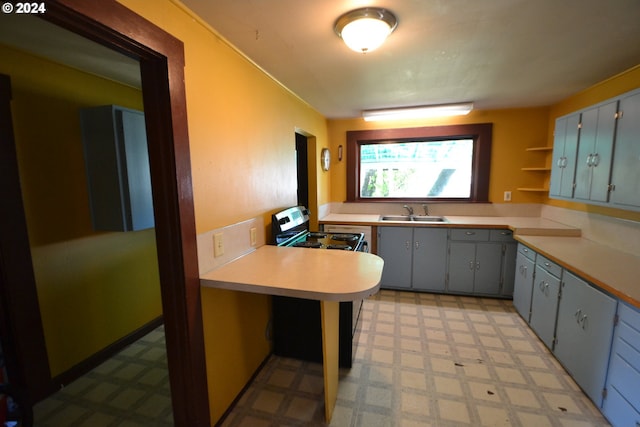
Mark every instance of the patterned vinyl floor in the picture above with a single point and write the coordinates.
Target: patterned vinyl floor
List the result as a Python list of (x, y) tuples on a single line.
[(129, 390), (427, 360), (422, 360)]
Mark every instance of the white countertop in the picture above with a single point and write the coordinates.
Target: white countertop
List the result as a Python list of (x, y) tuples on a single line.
[(533, 226), (311, 274)]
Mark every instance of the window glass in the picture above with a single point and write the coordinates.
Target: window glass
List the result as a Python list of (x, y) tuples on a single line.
[(436, 163), (421, 169)]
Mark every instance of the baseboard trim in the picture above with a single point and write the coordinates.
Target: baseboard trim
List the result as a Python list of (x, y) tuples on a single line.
[(96, 359)]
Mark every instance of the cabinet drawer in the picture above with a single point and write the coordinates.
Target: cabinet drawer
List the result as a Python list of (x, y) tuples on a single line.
[(501, 235), (529, 253), (470, 234), (623, 372), (629, 327), (549, 265)]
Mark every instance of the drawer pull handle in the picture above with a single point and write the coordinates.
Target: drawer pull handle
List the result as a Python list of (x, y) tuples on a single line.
[(546, 264), (469, 233)]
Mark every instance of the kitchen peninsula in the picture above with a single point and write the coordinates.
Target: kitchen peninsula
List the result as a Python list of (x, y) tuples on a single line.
[(327, 276)]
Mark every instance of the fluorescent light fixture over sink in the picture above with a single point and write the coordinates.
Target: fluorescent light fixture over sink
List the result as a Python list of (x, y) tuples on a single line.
[(365, 29), (420, 112)]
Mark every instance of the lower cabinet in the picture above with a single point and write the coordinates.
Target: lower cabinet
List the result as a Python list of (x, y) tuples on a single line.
[(437, 259), (414, 258), (621, 405), (584, 332), (429, 259), (544, 299), (523, 282), (481, 262)]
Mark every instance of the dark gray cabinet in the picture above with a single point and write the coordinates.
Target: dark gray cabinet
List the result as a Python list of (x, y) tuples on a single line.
[(584, 332), (117, 167), (523, 283)]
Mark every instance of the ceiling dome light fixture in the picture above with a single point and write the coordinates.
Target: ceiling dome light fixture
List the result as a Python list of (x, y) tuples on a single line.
[(365, 29)]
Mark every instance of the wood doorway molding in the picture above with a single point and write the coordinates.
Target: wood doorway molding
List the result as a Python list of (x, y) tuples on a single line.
[(161, 59)]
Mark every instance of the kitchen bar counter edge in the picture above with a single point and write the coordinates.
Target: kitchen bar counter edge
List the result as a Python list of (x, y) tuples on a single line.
[(310, 274)]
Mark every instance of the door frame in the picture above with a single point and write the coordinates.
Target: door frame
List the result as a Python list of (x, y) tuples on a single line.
[(161, 59)]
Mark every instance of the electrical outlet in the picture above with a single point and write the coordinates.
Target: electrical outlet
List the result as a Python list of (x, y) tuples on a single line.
[(253, 238), (218, 245), (507, 196)]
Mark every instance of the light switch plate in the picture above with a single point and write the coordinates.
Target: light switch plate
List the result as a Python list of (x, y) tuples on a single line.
[(253, 236), (218, 245)]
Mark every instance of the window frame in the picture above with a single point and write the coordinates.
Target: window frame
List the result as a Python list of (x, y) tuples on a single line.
[(480, 133)]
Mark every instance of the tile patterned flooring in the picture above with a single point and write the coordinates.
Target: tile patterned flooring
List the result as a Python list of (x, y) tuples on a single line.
[(129, 390), (423, 360), (427, 360)]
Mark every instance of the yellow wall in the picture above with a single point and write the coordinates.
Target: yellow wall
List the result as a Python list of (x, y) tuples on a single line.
[(242, 139), (612, 87), (93, 288), (513, 131)]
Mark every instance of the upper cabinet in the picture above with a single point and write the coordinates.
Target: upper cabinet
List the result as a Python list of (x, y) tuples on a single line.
[(593, 167), (625, 178), (117, 165), (563, 164), (596, 154)]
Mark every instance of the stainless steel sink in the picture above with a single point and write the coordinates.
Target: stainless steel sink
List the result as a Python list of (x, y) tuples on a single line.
[(428, 218), (416, 218)]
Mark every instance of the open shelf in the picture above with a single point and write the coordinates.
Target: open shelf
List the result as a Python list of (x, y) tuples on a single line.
[(539, 149), (537, 169), (540, 190)]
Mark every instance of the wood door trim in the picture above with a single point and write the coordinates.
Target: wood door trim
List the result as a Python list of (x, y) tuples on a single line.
[(162, 66)]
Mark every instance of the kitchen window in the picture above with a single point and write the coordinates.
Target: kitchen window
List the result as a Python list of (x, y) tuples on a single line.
[(441, 163)]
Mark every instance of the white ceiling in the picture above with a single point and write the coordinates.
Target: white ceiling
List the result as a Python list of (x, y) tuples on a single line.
[(37, 36), (496, 53)]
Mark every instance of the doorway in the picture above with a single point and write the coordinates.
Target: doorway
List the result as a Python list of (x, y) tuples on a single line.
[(160, 56), (302, 168)]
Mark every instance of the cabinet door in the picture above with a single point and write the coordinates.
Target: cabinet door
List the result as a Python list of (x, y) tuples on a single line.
[(626, 159), (595, 153), (544, 305), (488, 269), (565, 147), (584, 332), (395, 247), (523, 285), (429, 258), (462, 266), (586, 148), (603, 155)]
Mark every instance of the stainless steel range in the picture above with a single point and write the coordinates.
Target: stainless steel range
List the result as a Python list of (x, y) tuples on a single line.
[(296, 321)]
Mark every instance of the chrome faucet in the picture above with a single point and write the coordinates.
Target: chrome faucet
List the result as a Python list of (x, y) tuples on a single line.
[(426, 210), (409, 209)]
